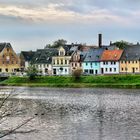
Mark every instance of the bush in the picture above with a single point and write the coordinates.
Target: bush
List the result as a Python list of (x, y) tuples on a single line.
[(77, 74), (32, 72)]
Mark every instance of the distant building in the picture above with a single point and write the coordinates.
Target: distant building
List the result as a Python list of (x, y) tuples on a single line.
[(76, 61), (43, 60), (130, 60), (61, 62), (91, 63), (9, 61), (25, 59), (110, 61)]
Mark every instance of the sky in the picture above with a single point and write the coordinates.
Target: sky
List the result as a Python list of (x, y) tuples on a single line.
[(31, 24)]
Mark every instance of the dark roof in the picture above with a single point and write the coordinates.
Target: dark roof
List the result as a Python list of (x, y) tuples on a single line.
[(44, 56), (3, 45), (68, 50), (28, 55), (131, 52), (94, 54)]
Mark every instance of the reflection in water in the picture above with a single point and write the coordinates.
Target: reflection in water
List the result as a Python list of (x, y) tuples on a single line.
[(77, 114)]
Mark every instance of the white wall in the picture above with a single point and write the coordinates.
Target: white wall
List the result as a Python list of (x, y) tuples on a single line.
[(65, 71), (107, 66)]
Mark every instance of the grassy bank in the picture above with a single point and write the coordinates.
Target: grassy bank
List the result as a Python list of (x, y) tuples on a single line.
[(116, 81)]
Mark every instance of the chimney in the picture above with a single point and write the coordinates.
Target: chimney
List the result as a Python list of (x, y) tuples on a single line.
[(100, 40)]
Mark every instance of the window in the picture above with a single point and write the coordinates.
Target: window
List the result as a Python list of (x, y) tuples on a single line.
[(125, 69), (86, 64), (61, 53), (65, 70), (7, 49), (86, 71), (122, 62), (106, 69), (6, 70), (122, 69), (75, 64), (114, 63), (80, 64), (58, 61), (104, 63), (136, 62), (65, 61), (61, 61), (95, 63), (54, 62), (110, 69), (91, 71), (114, 69), (107, 63), (111, 63)]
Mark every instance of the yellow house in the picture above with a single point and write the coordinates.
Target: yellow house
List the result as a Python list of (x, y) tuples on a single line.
[(130, 60), (9, 61)]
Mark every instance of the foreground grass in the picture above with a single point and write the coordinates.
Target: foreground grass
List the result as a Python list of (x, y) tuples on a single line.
[(116, 81)]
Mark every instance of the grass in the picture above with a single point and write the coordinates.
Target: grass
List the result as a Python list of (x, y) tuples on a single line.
[(113, 81)]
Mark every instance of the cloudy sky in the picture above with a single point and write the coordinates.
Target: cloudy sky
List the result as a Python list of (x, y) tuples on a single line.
[(30, 24)]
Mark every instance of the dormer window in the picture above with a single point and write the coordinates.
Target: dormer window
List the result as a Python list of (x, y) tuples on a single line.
[(61, 53)]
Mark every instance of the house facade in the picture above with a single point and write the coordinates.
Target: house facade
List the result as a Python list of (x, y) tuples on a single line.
[(130, 60), (76, 61), (110, 61), (91, 63), (25, 59), (61, 62), (42, 60), (9, 60)]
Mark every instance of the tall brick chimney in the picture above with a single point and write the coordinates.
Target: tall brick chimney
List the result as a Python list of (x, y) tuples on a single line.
[(100, 40)]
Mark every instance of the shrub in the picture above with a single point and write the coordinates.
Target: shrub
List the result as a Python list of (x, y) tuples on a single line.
[(77, 74), (32, 72)]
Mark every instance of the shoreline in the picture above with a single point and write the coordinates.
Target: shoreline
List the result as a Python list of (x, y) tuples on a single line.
[(124, 82)]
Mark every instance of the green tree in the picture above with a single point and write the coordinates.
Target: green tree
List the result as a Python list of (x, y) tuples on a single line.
[(58, 43), (121, 44), (32, 72)]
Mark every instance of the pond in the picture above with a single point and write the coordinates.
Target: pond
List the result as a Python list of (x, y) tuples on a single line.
[(74, 114)]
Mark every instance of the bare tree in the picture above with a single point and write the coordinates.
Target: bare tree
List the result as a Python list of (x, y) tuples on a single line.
[(7, 109)]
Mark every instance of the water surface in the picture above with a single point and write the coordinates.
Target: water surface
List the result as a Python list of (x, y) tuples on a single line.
[(75, 114)]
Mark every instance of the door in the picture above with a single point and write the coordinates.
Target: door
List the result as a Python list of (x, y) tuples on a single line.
[(133, 70), (54, 71), (102, 70)]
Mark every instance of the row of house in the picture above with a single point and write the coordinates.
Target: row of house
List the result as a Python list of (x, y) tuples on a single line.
[(93, 60)]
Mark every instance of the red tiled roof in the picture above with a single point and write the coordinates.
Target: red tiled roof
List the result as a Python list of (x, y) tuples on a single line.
[(111, 55)]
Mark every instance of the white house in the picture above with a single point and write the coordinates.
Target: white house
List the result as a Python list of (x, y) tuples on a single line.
[(109, 62)]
